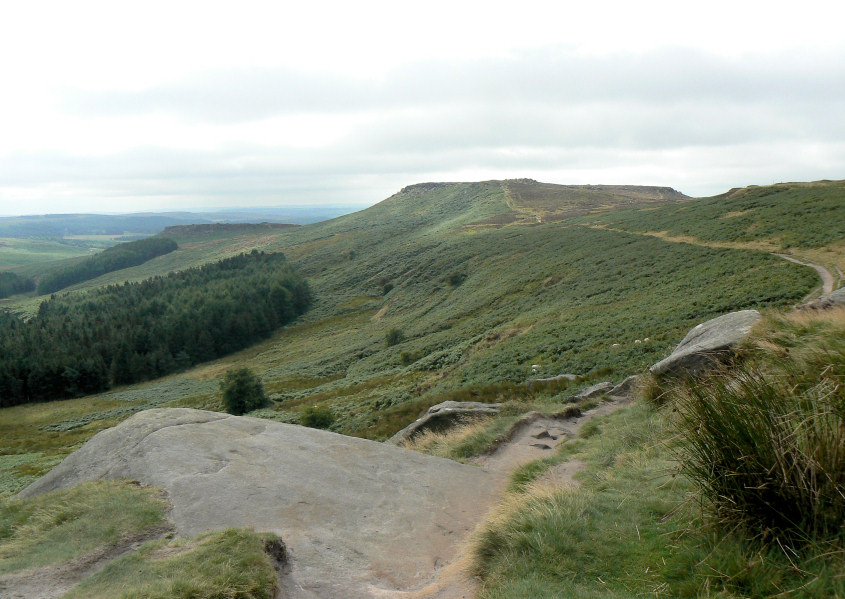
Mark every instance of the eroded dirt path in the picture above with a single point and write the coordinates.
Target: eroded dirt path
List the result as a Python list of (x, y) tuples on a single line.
[(535, 437), (827, 277)]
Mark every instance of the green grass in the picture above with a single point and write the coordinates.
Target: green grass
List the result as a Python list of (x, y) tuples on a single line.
[(58, 526), (607, 539), (553, 294), (22, 254), (640, 524), (231, 564), (55, 528), (804, 215)]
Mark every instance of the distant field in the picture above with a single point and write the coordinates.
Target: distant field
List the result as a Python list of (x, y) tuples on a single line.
[(22, 254)]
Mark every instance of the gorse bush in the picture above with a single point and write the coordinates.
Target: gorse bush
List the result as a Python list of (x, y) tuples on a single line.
[(393, 337), (317, 417), (766, 445)]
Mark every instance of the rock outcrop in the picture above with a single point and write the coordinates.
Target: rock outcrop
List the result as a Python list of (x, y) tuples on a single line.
[(358, 516), (708, 342), (626, 388), (552, 379), (444, 415), (825, 302), (593, 391)]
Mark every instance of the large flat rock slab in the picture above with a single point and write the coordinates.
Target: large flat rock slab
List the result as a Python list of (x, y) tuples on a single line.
[(360, 518)]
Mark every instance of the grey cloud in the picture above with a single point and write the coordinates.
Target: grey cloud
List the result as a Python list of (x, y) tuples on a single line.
[(661, 77)]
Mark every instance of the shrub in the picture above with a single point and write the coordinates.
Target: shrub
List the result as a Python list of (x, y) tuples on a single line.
[(386, 288), (393, 337), (317, 417), (767, 448), (242, 391), (456, 278), (406, 358)]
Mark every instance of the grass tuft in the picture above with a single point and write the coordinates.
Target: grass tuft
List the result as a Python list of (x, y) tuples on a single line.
[(766, 444)]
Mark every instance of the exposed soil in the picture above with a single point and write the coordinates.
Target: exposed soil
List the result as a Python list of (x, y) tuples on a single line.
[(536, 438)]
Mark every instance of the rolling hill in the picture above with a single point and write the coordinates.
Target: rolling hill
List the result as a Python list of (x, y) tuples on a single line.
[(475, 303), (470, 291)]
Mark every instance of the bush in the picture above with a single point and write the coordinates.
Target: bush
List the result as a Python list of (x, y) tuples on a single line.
[(456, 278), (317, 417), (393, 337), (406, 358), (242, 391)]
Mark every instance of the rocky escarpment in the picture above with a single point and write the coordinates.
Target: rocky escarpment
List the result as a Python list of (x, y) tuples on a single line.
[(360, 518)]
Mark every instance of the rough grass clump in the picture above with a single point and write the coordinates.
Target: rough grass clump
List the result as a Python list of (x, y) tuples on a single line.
[(766, 444), (229, 564)]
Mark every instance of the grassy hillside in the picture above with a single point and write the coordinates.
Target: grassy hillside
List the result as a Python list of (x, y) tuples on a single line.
[(730, 486), (465, 291), (24, 255), (804, 219), (474, 304)]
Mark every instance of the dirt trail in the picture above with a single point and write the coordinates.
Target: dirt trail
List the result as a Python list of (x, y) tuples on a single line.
[(536, 437), (827, 277)]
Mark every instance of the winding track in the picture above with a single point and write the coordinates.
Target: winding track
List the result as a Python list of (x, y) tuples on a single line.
[(826, 276)]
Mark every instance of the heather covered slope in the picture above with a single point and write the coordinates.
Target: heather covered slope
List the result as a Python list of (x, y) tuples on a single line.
[(469, 305)]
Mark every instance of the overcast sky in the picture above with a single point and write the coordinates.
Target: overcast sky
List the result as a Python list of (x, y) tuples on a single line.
[(118, 106)]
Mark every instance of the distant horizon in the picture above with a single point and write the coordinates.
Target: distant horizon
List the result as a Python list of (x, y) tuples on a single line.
[(349, 207)]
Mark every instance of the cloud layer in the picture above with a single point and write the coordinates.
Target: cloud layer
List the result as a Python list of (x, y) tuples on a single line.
[(691, 119)]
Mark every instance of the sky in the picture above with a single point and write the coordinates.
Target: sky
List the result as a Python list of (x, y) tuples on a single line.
[(137, 106)]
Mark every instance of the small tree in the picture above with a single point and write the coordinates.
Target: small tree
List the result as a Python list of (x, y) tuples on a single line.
[(242, 391)]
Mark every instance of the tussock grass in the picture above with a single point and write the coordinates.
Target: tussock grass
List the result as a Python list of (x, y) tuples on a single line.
[(464, 440), (230, 564), (765, 440), (56, 527), (606, 539)]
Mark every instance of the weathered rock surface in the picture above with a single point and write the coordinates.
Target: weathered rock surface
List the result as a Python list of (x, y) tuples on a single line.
[(444, 415), (593, 391), (360, 518), (551, 379), (825, 302), (707, 342), (626, 388)]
